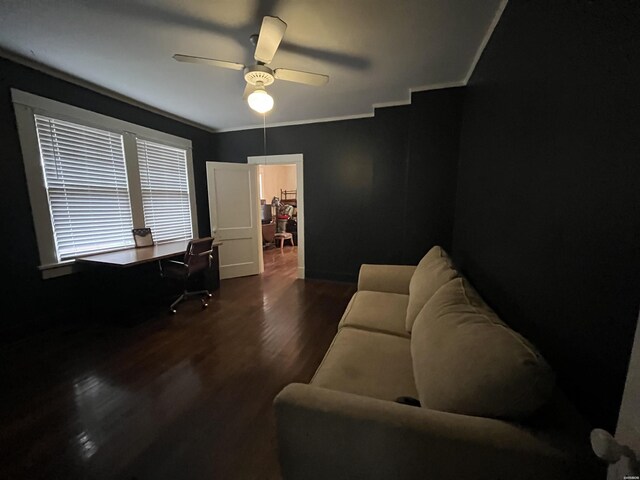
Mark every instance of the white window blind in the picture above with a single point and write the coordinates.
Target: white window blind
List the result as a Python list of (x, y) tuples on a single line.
[(86, 182), (165, 191)]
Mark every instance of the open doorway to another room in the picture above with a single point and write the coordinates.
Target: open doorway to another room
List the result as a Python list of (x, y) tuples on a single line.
[(280, 193)]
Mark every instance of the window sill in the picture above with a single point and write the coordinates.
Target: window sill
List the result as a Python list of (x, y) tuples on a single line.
[(61, 269)]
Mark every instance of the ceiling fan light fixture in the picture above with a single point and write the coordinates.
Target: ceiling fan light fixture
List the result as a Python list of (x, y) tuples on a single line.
[(260, 101), (260, 75)]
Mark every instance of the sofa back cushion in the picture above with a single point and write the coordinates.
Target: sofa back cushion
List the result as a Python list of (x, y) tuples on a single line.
[(434, 270), (467, 361)]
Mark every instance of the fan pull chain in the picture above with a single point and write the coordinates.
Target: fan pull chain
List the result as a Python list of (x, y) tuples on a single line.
[(264, 134)]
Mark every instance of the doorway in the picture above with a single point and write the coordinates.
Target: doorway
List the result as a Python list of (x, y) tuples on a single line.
[(281, 197)]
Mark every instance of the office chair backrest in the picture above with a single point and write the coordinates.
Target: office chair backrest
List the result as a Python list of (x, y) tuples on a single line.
[(198, 254)]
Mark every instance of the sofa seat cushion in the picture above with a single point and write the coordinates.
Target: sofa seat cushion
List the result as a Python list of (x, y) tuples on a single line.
[(434, 270), (377, 311), (468, 361), (367, 363)]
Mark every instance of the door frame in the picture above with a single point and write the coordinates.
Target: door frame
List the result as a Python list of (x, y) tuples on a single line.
[(298, 160)]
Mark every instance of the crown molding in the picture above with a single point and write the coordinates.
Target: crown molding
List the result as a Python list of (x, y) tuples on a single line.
[(67, 77), (485, 40), (440, 86), (297, 122), (398, 103)]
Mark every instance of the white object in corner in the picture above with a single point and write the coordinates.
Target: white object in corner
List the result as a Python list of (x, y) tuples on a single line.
[(608, 449), (623, 452)]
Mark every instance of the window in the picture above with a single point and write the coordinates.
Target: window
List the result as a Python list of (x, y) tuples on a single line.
[(93, 178), (165, 190), (86, 182)]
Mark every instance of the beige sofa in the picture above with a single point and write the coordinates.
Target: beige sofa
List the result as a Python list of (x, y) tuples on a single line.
[(489, 406)]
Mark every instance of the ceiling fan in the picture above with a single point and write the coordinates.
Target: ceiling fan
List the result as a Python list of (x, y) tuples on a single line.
[(259, 76)]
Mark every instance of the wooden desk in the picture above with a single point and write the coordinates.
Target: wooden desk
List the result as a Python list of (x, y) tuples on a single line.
[(137, 256), (141, 255)]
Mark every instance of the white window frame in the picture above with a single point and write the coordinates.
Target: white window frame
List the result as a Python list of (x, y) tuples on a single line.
[(25, 106), (189, 182)]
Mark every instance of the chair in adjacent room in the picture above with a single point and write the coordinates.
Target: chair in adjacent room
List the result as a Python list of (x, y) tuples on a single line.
[(282, 236), (197, 259)]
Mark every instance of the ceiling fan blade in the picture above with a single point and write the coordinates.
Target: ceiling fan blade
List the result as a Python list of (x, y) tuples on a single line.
[(269, 38), (208, 61), (248, 89), (297, 76)]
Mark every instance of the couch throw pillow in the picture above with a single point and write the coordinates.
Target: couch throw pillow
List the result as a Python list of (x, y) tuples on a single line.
[(434, 270), (467, 361)]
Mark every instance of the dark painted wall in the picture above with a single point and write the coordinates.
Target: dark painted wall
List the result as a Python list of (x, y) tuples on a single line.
[(27, 299), (377, 190), (547, 223)]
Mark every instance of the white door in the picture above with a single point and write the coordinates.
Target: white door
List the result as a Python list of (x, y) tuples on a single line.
[(233, 213), (628, 431)]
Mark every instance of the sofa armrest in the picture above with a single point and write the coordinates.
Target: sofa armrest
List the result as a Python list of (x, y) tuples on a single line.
[(385, 278), (329, 434)]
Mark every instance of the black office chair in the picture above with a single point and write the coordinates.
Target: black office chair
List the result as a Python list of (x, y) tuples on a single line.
[(197, 259)]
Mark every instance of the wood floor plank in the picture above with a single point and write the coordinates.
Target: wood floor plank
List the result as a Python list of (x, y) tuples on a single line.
[(184, 396)]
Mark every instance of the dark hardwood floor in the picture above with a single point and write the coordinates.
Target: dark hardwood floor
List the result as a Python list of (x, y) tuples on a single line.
[(187, 396)]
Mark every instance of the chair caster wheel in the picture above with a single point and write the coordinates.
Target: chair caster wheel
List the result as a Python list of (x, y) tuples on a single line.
[(209, 295), (172, 311), (204, 305)]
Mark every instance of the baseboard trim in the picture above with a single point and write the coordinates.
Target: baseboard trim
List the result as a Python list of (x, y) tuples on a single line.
[(332, 276)]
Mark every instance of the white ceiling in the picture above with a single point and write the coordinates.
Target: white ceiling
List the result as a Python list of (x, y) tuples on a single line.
[(375, 51)]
